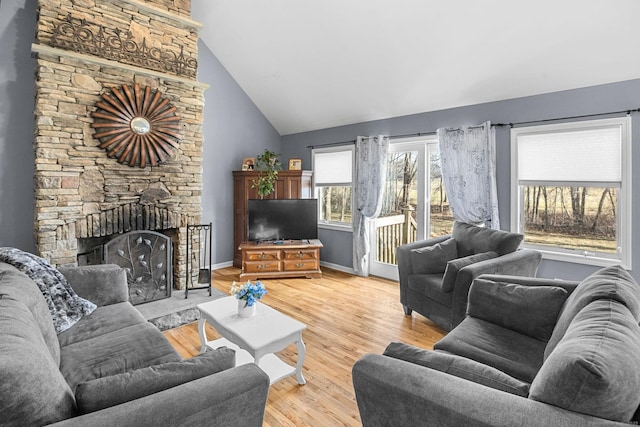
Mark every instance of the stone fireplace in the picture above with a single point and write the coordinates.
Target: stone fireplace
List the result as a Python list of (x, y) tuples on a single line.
[(84, 195)]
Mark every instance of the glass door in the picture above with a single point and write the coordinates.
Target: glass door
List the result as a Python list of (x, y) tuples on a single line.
[(402, 218), (414, 205)]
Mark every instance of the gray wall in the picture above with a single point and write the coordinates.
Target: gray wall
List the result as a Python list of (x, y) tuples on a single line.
[(592, 100), (233, 129), (17, 91)]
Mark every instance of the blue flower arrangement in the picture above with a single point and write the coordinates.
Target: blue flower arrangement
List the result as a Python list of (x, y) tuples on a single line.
[(250, 292)]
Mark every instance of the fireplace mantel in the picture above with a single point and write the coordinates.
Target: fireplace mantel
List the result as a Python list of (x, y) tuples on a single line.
[(55, 52)]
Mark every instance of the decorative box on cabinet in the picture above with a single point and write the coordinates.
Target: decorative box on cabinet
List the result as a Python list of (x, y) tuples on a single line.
[(292, 258), (290, 185)]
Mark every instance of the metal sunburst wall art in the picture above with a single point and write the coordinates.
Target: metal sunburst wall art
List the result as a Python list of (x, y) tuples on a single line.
[(137, 127)]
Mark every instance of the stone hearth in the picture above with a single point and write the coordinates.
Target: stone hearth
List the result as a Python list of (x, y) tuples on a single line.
[(176, 310)]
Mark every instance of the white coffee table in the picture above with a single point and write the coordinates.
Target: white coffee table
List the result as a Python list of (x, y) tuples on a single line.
[(255, 338)]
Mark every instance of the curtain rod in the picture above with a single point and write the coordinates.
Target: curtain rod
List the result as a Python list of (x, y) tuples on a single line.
[(584, 116), (512, 124), (353, 141)]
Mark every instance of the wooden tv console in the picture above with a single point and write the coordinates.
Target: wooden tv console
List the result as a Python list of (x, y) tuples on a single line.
[(290, 258)]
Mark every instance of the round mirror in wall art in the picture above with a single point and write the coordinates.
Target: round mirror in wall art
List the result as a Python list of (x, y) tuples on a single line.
[(137, 127), (140, 125)]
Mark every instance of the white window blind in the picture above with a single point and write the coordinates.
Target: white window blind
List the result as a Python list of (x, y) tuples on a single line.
[(587, 155), (333, 167)]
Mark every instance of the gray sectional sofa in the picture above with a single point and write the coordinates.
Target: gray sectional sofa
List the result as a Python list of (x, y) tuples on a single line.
[(530, 352), (111, 368)]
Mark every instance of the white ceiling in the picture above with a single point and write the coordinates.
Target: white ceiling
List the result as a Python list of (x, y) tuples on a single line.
[(316, 64)]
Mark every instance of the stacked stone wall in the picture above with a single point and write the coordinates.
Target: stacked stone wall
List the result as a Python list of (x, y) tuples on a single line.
[(75, 181), (145, 21)]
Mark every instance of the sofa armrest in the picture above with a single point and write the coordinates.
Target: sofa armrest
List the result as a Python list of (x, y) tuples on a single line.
[(394, 392), (102, 284), (523, 262), (237, 396), (403, 256)]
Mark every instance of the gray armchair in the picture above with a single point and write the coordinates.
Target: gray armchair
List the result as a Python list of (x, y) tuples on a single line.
[(435, 274)]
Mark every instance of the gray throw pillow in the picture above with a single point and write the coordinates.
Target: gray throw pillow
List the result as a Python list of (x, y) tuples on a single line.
[(460, 367), (454, 266), (433, 259), (116, 389), (529, 310), (595, 369)]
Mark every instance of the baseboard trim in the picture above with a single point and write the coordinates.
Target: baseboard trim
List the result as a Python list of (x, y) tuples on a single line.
[(337, 267), (222, 265)]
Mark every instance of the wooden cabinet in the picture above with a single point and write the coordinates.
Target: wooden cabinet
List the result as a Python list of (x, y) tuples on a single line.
[(290, 185), (289, 259)]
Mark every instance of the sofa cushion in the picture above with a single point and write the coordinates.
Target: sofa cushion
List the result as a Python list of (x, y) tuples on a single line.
[(17, 286), (116, 389), (473, 239), (103, 320), (433, 259), (129, 348), (458, 366), (530, 310), (595, 368), (454, 267), (608, 283), (33, 390), (509, 351), (430, 285)]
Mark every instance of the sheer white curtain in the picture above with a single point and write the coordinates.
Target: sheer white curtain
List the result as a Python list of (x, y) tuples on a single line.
[(468, 158), (371, 170)]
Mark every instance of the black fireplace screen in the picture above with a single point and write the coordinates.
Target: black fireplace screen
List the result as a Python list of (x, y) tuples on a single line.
[(146, 257)]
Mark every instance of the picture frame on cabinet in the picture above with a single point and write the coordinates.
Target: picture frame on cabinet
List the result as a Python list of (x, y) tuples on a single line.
[(248, 163), (295, 164)]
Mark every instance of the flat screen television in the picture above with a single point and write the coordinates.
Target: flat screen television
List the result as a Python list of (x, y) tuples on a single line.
[(284, 219)]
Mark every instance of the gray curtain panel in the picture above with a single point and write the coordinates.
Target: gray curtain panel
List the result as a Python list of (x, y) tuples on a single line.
[(468, 157), (371, 169)]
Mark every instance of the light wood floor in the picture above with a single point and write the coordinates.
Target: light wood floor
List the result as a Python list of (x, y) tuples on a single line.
[(346, 317)]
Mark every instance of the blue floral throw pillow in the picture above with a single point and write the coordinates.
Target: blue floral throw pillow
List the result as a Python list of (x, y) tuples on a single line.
[(65, 306)]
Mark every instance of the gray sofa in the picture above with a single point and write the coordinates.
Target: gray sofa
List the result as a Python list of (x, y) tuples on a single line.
[(531, 352), (435, 274), (111, 368)]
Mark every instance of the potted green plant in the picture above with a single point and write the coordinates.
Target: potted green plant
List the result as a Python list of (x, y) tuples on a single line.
[(268, 164)]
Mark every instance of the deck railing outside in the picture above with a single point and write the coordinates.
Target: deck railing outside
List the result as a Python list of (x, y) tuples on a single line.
[(393, 231)]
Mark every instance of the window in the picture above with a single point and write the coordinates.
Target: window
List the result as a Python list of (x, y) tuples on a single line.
[(333, 178), (571, 190), (440, 216)]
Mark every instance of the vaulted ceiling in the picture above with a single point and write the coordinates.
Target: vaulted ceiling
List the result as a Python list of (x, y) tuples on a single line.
[(316, 64)]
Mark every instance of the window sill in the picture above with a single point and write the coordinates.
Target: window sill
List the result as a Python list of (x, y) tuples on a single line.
[(335, 226), (592, 260)]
